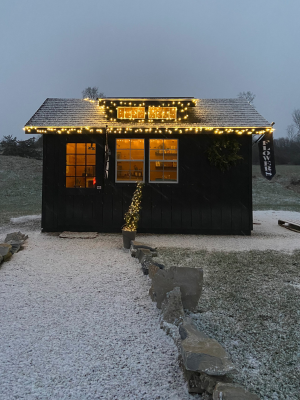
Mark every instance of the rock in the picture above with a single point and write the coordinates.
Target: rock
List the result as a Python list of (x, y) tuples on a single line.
[(18, 236), (189, 280), (232, 392), (1, 259), (142, 254), (146, 262), (137, 245), (15, 244), (201, 353), (5, 251), (154, 267), (172, 309), (136, 252), (199, 382)]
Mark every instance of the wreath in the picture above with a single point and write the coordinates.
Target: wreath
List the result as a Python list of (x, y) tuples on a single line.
[(223, 153)]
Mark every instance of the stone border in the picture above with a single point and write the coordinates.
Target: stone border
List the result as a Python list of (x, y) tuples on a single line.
[(204, 361)]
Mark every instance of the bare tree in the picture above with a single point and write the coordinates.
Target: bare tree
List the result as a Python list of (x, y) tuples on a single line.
[(296, 119), (249, 96), (291, 132), (92, 93)]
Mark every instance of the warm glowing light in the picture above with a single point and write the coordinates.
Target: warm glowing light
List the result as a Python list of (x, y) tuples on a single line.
[(130, 112), (162, 112)]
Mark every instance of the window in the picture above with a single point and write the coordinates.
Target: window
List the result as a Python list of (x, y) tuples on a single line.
[(80, 165), (130, 156), (131, 112), (163, 158), (162, 113)]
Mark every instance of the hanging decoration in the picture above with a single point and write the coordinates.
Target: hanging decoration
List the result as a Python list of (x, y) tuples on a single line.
[(107, 154), (266, 156), (223, 153)]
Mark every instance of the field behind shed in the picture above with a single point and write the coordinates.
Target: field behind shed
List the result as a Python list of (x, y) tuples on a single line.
[(21, 188)]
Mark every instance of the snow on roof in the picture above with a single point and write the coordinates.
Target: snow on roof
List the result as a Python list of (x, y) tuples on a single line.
[(56, 112)]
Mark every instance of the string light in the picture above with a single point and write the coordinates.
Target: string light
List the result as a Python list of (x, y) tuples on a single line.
[(133, 214), (157, 129)]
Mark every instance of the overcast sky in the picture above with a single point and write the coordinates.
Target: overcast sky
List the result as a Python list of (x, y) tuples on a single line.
[(200, 48)]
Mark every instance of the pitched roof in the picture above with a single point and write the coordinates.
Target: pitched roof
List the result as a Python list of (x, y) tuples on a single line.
[(207, 113)]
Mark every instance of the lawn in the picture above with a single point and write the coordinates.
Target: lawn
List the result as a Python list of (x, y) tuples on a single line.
[(279, 193), (21, 188)]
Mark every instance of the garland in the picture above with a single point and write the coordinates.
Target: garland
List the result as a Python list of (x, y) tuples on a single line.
[(133, 214), (223, 153)]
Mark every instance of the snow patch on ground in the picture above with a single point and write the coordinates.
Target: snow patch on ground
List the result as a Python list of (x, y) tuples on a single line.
[(266, 236), (24, 219)]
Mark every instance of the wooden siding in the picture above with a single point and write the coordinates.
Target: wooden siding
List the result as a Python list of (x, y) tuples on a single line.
[(204, 201)]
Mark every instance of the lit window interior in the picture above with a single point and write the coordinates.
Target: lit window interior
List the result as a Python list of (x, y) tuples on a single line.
[(163, 160), (131, 112), (130, 160), (162, 113), (80, 165)]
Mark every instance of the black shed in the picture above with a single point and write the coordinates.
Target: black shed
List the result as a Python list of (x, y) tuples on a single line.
[(193, 155)]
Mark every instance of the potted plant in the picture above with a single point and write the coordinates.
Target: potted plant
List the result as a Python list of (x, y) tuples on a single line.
[(132, 216)]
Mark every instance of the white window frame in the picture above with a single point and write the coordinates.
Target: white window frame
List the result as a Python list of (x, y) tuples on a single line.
[(131, 112), (162, 117), (116, 161), (163, 160)]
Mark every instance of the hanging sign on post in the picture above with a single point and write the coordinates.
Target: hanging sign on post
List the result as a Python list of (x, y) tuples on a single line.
[(266, 156)]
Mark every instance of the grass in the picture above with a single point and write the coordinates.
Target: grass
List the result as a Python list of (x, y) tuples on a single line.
[(279, 193), (250, 304), (21, 188)]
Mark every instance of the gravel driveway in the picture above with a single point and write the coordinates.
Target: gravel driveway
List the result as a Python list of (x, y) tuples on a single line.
[(77, 323)]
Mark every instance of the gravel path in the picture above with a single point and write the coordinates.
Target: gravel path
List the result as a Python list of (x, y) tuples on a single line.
[(77, 323)]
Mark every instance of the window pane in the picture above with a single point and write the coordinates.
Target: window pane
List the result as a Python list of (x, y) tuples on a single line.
[(80, 148), (120, 112), (90, 182), (123, 143), (91, 148), (123, 154), (156, 175), (80, 171), (137, 143), (156, 143), (151, 113), (70, 159), (128, 113), (80, 160), (137, 154), (168, 165), (123, 165), (156, 154), (159, 112), (70, 148), (90, 170), (79, 182), (162, 112), (91, 160), (70, 182), (131, 112), (141, 112), (70, 171), (170, 144)]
